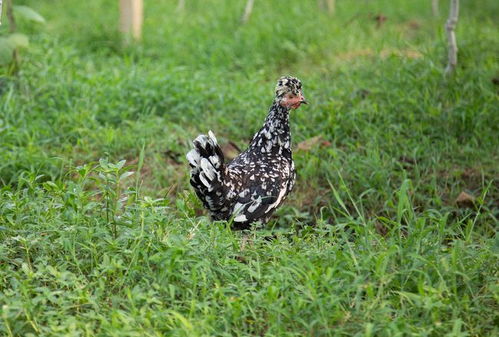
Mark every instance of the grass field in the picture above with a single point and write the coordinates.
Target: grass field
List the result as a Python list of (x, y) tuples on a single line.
[(370, 243)]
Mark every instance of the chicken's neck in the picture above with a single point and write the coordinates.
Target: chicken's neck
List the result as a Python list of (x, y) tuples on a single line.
[(274, 136)]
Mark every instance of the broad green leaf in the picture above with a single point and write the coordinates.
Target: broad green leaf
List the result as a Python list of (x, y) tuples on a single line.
[(18, 40), (28, 13), (6, 50), (121, 164), (103, 163)]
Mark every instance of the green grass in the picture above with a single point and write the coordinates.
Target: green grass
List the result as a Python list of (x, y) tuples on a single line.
[(370, 243)]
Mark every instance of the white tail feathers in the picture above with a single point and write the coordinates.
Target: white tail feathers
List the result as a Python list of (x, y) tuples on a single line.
[(208, 168), (193, 157), (212, 137), (206, 161)]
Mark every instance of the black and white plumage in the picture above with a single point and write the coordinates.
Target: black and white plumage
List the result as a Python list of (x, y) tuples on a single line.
[(253, 185)]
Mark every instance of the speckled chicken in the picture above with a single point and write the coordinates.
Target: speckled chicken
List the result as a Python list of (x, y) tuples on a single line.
[(253, 185)]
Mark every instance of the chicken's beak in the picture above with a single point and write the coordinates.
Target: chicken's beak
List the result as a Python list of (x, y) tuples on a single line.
[(303, 100)]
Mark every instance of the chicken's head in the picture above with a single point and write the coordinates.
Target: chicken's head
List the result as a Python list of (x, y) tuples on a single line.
[(288, 92)]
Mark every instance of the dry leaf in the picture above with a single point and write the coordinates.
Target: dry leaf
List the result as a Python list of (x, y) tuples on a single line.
[(465, 200), (310, 143)]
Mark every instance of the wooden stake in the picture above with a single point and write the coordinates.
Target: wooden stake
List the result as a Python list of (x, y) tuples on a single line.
[(131, 17), (180, 5), (331, 6), (247, 11), (450, 27), (434, 8), (11, 19), (328, 5)]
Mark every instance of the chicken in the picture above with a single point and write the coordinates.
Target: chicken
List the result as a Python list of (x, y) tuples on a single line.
[(254, 184)]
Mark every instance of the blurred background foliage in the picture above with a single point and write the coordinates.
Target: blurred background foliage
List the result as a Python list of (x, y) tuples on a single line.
[(381, 110)]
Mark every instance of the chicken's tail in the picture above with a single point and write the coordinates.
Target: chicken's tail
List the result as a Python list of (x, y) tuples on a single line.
[(207, 173)]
